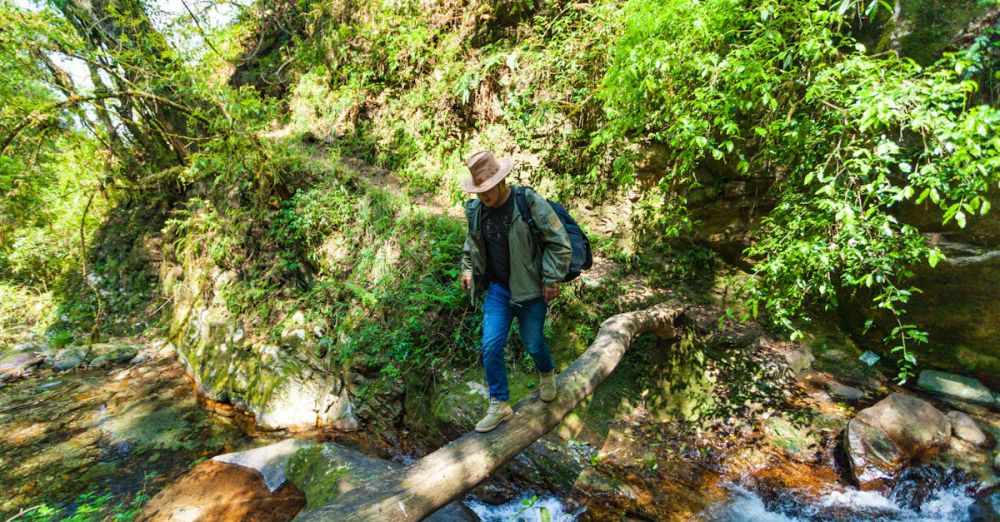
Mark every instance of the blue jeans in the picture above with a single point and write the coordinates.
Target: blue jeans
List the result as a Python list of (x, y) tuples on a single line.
[(498, 313)]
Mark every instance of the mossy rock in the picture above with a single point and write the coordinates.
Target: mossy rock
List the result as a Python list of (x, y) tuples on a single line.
[(794, 438), (324, 471)]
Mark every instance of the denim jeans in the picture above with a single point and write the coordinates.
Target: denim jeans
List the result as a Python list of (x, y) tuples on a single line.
[(498, 313)]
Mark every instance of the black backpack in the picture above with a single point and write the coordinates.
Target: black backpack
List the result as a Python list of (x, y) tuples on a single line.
[(583, 258)]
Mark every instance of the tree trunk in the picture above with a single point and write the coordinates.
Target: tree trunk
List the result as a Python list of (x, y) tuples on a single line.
[(416, 491)]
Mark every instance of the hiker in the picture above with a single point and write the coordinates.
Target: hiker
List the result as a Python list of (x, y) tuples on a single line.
[(520, 271)]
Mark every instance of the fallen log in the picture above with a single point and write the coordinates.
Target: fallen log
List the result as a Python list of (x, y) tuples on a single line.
[(416, 491)]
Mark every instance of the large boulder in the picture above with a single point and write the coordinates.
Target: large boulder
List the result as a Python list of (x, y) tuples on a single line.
[(283, 385), (883, 439), (326, 471)]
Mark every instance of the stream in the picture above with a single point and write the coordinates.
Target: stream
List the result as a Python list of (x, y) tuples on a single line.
[(924, 495), (102, 437), (112, 437)]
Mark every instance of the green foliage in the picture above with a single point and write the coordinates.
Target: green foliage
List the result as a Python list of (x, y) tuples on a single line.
[(779, 90), (396, 84), (385, 276), (90, 507)]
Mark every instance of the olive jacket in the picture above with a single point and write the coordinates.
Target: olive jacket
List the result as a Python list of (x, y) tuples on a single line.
[(532, 262)]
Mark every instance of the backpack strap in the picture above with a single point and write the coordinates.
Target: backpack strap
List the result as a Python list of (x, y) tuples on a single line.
[(522, 205)]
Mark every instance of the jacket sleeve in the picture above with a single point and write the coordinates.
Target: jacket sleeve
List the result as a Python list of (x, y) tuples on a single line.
[(556, 249), (467, 256)]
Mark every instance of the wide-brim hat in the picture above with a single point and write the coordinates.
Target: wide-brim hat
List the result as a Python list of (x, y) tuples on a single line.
[(485, 171)]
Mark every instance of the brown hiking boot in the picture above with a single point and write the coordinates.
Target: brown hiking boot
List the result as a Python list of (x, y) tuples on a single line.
[(498, 412), (547, 386)]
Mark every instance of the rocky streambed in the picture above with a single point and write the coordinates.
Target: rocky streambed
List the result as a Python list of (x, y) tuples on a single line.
[(726, 425), (99, 428)]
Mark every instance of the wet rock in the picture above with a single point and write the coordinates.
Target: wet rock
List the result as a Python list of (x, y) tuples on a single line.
[(963, 427), (842, 391), (269, 461), (957, 386), (883, 439), (325, 471), (215, 490), (99, 362), (996, 462), (794, 438), (17, 364), (67, 359), (121, 354), (987, 506)]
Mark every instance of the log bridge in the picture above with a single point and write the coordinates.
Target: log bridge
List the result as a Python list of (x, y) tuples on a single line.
[(416, 491)]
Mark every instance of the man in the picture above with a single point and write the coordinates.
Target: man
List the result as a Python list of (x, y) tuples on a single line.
[(519, 272)]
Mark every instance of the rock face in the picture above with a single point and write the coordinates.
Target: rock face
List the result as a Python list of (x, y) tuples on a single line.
[(283, 384), (956, 386), (325, 471), (219, 491), (884, 438)]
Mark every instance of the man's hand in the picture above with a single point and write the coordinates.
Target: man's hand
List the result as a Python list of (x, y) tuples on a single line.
[(550, 293), (466, 281)]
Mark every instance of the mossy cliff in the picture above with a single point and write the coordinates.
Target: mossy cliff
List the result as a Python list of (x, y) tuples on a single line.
[(308, 313)]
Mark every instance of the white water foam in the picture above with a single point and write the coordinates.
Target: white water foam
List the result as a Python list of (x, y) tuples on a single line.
[(744, 506), (945, 504), (516, 510)]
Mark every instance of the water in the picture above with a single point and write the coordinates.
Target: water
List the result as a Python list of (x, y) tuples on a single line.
[(524, 510), (121, 432), (925, 495)]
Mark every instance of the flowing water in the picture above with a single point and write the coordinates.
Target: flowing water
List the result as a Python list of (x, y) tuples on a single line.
[(102, 437), (922, 495), (527, 508)]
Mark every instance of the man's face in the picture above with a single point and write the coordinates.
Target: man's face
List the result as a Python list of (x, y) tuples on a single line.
[(492, 197)]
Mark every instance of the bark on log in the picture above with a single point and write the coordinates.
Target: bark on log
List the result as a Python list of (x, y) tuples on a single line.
[(416, 491)]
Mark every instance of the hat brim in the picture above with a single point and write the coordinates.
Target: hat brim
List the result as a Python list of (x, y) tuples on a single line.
[(468, 184)]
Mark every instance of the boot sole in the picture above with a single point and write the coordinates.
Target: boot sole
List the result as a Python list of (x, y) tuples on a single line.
[(493, 427)]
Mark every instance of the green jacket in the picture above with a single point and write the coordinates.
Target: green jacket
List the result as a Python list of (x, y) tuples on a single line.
[(530, 266)]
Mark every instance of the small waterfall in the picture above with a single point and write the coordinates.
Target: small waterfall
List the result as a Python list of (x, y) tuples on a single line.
[(922, 495), (543, 509)]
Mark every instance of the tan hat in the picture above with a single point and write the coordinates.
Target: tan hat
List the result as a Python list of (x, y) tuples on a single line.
[(486, 171)]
